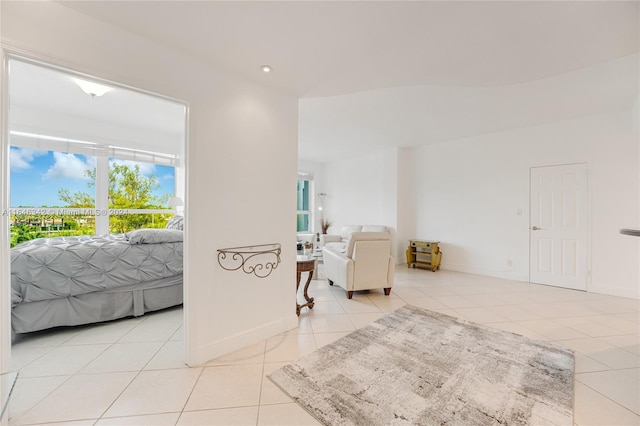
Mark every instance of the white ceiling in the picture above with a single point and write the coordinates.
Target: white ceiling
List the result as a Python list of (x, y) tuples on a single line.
[(418, 115), (324, 48), (393, 73), (49, 102)]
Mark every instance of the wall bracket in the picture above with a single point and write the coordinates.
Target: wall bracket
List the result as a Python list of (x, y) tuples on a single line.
[(259, 260)]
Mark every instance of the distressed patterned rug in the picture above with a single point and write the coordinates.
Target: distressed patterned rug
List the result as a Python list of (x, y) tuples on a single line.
[(417, 367)]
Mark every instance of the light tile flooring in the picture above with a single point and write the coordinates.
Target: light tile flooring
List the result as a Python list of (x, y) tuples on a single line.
[(130, 372)]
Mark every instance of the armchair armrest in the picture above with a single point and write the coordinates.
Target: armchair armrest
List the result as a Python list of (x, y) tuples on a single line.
[(338, 268)]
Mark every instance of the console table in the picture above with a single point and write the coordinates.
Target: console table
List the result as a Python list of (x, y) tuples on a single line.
[(304, 264)]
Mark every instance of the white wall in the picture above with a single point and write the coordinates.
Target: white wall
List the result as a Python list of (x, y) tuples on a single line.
[(407, 218), (363, 190), (479, 184), (241, 163)]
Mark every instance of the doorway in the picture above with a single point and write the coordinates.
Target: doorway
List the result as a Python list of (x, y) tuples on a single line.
[(70, 134), (558, 231)]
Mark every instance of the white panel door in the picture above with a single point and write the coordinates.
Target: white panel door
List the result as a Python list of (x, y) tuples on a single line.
[(558, 229)]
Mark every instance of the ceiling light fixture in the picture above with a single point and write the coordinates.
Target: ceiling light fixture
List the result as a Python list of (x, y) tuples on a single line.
[(266, 68), (92, 89)]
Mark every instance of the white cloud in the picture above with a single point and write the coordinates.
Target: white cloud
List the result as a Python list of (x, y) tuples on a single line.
[(69, 166), (146, 169), (21, 158)]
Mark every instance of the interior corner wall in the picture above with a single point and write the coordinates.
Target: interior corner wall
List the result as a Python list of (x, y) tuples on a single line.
[(241, 165), (478, 202), (363, 190), (409, 181)]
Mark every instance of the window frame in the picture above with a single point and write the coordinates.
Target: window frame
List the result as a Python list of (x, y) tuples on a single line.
[(102, 153), (307, 177)]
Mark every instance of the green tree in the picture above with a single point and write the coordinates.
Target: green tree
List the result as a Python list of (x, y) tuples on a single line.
[(22, 233), (80, 199), (128, 189)]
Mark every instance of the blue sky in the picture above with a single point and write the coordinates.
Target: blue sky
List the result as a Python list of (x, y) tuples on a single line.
[(36, 176)]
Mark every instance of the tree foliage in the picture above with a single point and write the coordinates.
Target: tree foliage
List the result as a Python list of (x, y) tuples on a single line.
[(128, 189), (22, 233)]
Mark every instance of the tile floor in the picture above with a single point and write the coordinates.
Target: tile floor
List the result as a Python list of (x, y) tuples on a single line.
[(130, 372)]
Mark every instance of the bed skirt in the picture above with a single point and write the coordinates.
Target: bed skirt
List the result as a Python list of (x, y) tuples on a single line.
[(97, 306)]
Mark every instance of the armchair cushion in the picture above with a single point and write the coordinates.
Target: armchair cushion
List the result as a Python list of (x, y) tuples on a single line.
[(364, 236), (328, 238)]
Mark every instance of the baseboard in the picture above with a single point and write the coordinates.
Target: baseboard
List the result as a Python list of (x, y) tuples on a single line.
[(246, 338), (507, 275), (632, 293)]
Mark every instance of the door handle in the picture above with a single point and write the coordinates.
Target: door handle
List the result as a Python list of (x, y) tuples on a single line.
[(535, 228)]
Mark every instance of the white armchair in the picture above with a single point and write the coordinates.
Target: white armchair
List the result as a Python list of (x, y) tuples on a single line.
[(364, 264)]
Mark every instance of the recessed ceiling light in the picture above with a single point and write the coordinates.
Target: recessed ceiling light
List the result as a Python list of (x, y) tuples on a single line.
[(266, 68)]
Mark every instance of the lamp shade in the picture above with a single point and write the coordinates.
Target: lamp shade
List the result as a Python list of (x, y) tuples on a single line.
[(175, 202)]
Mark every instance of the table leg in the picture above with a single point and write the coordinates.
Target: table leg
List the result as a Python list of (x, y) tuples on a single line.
[(310, 303), (298, 276), (306, 289)]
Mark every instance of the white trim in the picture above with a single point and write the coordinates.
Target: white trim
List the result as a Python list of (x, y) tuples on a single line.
[(5, 261), (102, 195), (312, 195), (187, 314), (54, 143)]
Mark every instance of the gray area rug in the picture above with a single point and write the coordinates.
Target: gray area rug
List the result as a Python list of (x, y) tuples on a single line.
[(417, 367)]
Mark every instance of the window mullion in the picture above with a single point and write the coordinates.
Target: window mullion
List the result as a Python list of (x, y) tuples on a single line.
[(102, 195)]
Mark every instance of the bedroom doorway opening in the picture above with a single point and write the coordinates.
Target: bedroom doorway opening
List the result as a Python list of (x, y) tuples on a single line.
[(89, 157)]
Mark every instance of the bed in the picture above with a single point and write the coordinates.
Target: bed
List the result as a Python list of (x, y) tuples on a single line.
[(67, 281)]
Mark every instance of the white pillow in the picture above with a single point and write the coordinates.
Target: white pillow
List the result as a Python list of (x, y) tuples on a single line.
[(154, 236), (176, 222), (347, 230)]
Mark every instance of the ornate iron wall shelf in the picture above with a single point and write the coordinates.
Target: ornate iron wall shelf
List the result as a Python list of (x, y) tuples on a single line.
[(259, 260)]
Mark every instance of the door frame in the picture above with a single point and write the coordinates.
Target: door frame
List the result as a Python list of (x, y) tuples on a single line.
[(6, 54), (588, 225), (5, 257)]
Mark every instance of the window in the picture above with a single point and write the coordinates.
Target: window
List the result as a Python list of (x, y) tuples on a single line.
[(41, 187), (56, 193), (87, 164), (304, 208), (138, 195)]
